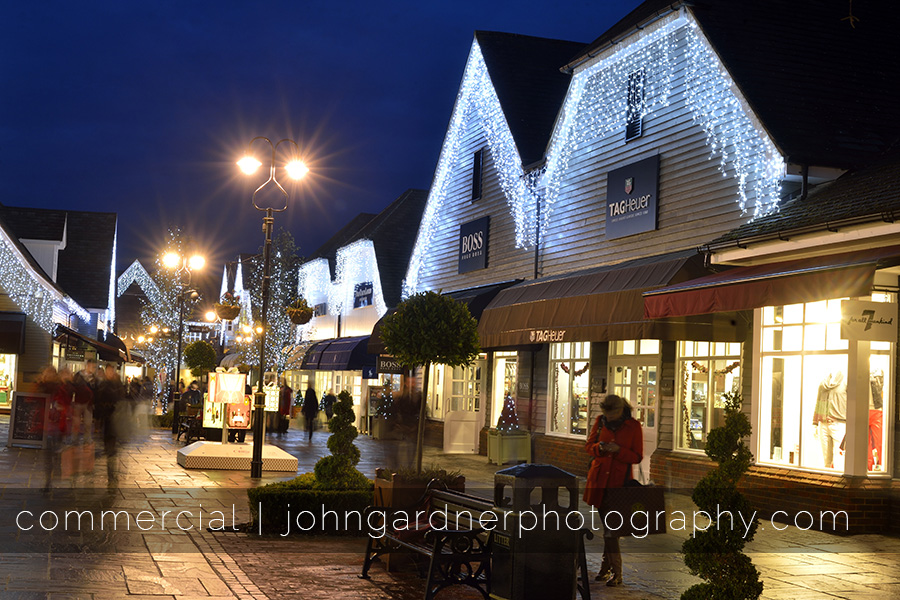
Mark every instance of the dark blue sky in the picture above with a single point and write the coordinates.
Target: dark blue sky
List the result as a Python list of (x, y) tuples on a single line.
[(141, 108)]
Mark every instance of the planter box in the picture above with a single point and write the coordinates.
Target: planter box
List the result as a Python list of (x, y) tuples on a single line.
[(381, 430), (393, 491), (508, 447)]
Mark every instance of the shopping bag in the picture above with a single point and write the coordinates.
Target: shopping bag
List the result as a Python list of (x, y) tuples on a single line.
[(75, 460), (635, 510)]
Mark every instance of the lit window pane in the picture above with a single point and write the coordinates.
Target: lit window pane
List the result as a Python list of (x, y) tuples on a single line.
[(815, 338), (793, 338), (649, 346), (834, 338), (793, 313), (817, 312)]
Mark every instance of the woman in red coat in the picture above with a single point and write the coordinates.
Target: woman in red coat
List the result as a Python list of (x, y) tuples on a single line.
[(615, 443)]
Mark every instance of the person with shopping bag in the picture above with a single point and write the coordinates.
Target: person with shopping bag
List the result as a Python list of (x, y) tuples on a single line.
[(615, 445)]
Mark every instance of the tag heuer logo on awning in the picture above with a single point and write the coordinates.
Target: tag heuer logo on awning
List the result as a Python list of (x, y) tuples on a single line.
[(629, 184)]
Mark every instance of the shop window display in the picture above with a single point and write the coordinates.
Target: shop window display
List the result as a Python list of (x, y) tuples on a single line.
[(505, 377), (707, 370), (569, 388), (803, 385), (7, 378)]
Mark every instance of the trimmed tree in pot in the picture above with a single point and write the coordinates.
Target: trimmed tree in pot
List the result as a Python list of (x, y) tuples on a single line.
[(716, 554), (430, 328)]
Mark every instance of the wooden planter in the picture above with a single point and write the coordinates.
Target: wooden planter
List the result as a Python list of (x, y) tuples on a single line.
[(393, 491), (507, 447)]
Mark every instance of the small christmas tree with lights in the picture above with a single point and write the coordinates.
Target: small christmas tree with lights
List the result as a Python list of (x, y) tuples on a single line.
[(509, 418)]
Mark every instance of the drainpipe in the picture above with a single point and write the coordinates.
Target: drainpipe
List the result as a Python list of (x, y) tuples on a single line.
[(804, 187), (537, 234)]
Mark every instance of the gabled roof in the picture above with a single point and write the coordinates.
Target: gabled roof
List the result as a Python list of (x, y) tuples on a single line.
[(824, 89), (84, 267), (392, 232), (344, 236), (868, 195), (49, 224), (525, 72)]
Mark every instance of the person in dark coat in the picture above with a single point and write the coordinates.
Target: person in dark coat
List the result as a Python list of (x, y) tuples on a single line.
[(285, 400), (109, 398), (328, 404), (310, 410)]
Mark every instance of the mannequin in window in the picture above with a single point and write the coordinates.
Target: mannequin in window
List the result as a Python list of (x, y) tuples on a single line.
[(830, 416), (876, 401)]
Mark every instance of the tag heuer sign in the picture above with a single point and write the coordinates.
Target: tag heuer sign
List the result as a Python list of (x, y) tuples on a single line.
[(632, 198), (868, 321)]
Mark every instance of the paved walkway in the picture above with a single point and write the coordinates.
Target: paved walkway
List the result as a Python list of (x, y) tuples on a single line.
[(163, 562)]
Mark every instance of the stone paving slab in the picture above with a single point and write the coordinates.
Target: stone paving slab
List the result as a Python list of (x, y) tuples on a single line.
[(169, 564)]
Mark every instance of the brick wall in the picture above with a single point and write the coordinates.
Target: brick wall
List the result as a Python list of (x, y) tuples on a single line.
[(568, 455), (872, 505)]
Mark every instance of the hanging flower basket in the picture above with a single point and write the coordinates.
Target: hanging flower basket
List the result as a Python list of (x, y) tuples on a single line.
[(299, 316), (299, 312), (227, 312)]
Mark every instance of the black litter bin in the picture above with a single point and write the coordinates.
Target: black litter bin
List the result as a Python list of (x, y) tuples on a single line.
[(535, 548)]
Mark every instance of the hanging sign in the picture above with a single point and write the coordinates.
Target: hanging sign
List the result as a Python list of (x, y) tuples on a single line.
[(868, 321), (473, 244), (389, 364), (632, 198), (362, 294)]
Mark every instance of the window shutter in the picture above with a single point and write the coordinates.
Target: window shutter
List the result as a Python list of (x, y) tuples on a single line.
[(635, 110), (477, 160)]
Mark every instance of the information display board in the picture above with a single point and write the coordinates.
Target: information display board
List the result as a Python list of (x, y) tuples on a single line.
[(28, 420), (238, 415)]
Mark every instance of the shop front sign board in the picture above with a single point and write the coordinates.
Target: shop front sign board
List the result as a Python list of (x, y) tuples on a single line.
[(473, 244), (28, 422), (632, 198), (868, 321), (363, 294)]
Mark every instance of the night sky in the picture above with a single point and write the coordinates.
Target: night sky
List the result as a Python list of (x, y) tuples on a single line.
[(141, 108)]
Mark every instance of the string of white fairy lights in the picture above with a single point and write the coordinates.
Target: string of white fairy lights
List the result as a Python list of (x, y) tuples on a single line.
[(595, 107)]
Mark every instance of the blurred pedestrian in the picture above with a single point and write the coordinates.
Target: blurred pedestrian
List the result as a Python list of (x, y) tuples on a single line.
[(49, 383), (110, 396), (82, 408), (310, 410), (285, 400), (328, 404)]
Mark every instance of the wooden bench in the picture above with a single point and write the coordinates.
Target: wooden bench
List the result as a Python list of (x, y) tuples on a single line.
[(445, 528)]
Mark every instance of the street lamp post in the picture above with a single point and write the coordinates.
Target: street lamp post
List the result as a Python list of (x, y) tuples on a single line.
[(295, 170), (186, 266)]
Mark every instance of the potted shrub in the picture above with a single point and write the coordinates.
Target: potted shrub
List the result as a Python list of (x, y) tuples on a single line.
[(299, 312), (228, 307), (335, 485)]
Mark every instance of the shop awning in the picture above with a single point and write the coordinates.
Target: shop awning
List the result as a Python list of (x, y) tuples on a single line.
[(113, 350), (339, 354), (599, 304), (476, 298), (849, 274)]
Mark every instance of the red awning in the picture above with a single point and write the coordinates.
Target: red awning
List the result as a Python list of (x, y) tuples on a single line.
[(849, 274)]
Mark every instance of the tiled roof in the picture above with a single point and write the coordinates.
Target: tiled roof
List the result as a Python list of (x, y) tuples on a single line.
[(35, 223), (344, 236), (525, 72), (393, 233), (866, 195), (84, 265), (824, 89)]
